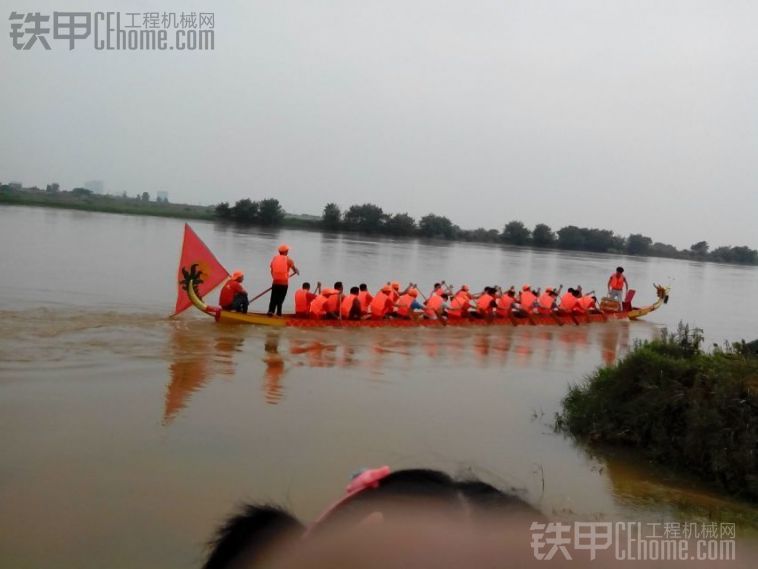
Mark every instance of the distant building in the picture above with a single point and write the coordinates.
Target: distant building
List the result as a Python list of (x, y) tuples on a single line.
[(161, 197), (95, 186), (15, 185)]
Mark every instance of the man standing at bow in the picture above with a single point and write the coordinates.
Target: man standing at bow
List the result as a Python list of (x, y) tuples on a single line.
[(281, 265)]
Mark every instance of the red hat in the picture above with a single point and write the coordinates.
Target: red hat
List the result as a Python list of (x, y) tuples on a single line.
[(236, 275), (284, 248)]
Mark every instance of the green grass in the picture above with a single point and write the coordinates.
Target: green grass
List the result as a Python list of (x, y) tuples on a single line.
[(679, 405)]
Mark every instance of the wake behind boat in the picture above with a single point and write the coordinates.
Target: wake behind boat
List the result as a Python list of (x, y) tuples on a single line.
[(200, 272)]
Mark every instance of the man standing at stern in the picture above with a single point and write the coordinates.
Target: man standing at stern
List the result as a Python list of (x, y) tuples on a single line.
[(281, 265)]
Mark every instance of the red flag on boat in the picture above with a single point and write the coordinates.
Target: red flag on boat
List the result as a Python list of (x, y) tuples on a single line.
[(198, 264)]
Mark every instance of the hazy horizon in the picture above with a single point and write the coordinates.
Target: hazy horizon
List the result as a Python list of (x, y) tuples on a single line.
[(638, 117)]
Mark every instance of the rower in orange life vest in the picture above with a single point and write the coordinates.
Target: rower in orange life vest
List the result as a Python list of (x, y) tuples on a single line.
[(303, 299), (527, 299), (364, 297), (460, 303), (570, 302), (332, 306), (382, 304), (408, 303), (505, 303), (486, 304), (350, 309), (281, 265), (317, 310), (233, 295), (616, 284), (437, 306), (546, 302)]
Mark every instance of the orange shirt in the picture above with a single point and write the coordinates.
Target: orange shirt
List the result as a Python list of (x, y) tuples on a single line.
[(545, 303), (228, 292), (347, 305), (404, 305), (280, 269), (303, 299), (434, 304), (586, 302)]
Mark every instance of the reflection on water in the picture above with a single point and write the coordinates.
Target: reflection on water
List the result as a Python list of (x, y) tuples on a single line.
[(200, 352)]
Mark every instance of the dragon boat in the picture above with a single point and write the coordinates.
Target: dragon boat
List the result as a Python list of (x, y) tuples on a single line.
[(199, 273)]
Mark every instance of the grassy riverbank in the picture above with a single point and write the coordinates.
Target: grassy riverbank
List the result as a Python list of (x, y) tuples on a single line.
[(678, 405)]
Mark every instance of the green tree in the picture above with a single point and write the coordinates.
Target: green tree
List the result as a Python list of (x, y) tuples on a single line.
[(664, 250), (401, 224), (81, 192), (699, 249), (145, 197), (637, 244), (543, 236), (515, 233), (53, 188), (223, 210), (367, 218), (331, 218), (437, 226), (245, 211), (270, 212)]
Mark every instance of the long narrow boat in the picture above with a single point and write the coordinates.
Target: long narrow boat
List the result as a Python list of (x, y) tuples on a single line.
[(556, 319), (200, 272)]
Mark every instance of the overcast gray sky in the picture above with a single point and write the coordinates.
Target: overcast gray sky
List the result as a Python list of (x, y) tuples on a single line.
[(633, 115)]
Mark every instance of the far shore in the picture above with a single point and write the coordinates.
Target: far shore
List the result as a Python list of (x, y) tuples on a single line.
[(136, 206)]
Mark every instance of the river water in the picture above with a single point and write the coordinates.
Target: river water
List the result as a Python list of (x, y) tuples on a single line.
[(127, 436)]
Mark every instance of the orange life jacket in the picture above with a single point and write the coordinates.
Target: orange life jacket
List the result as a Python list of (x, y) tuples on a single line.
[(280, 269), (365, 298), (394, 295), (484, 303), (504, 305), (333, 304), (347, 305), (617, 281), (545, 303), (569, 302), (458, 306), (303, 299), (586, 302), (381, 305), (404, 305), (317, 308), (434, 304), (526, 300)]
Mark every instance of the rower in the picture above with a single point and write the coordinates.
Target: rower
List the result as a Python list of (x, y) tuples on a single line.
[(233, 295), (332, 306), (570, 301), (395, 292), (437, 306), (505, 303), (485, 304), (459, 303), (281, 265), (350, 309), (616, 284), (303, 299), (317, 310), (365, 298), (382, 305), (547, 301), (527, 299), (588, 303), (407, 303)]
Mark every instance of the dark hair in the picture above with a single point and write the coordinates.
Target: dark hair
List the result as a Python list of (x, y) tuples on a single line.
[(307, 286), (354, 290), (249, 535), (437, 285), (619, 269), (338, 285), (363, 286)]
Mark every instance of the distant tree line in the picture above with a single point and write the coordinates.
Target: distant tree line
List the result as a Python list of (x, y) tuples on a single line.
[(373, 220)]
